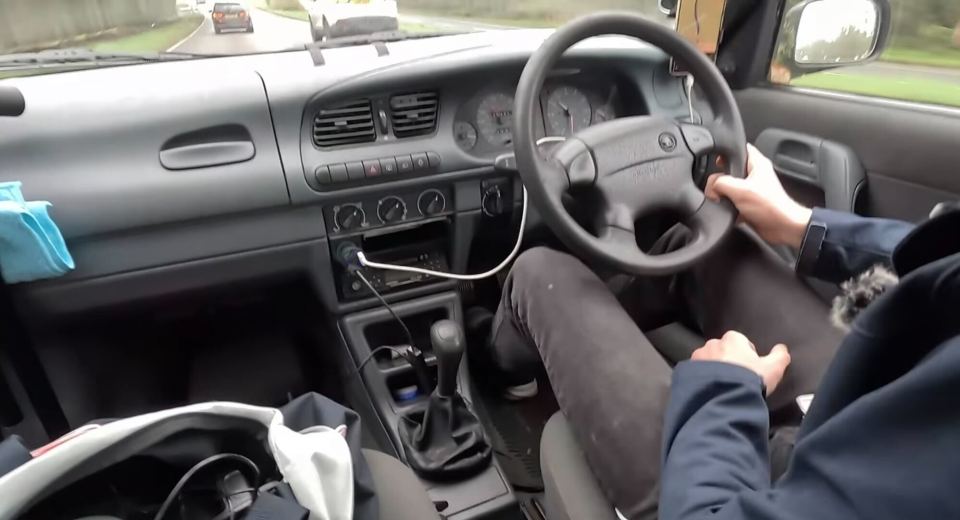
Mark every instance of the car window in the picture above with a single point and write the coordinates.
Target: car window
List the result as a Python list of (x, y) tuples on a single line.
[(198, 28), (921, 62)]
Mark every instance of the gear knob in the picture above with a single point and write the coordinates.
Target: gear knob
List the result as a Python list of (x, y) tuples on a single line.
[(446, 338)]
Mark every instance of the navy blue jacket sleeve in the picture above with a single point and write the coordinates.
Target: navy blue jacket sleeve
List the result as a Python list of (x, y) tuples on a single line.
[(840, 245), (715, 439)]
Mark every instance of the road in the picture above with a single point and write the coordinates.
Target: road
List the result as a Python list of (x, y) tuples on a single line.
[(452, 25), (274, 33), (270, 33)]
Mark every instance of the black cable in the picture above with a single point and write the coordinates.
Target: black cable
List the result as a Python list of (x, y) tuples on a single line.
[(175, 492), (387, 305), (374, 352), (228, 511)]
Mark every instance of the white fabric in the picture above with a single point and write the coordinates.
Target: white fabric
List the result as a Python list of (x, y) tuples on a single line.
[(321, 479), (316, 463)]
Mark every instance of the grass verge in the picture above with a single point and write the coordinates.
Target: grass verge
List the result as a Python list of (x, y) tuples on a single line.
[(157, 39), (946, 58), (127, 39), (417, 27), (296, 14), (921, 90)]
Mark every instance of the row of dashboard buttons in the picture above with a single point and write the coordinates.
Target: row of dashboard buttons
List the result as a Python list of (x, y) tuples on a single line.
[(374, 168)]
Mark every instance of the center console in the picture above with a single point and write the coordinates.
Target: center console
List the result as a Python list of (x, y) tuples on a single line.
[(427, 223), (401, 403)]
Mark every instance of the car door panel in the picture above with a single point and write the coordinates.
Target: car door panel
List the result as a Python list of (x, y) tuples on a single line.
[(909, 151), (830, 167)]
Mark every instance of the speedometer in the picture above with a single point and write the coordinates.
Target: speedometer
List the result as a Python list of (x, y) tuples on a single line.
[(495, 119), (568, 111)]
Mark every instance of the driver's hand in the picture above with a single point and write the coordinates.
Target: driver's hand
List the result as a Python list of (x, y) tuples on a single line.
[(736, 349), (762, 201)]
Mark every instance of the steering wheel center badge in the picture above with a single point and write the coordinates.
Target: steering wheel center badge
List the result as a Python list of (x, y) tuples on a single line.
[(668, 142)]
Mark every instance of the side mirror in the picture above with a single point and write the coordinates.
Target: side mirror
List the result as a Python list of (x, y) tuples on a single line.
[(823, 34), (668, 7)]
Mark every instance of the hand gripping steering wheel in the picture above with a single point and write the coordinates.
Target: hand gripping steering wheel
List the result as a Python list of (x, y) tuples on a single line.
[(636, 165)]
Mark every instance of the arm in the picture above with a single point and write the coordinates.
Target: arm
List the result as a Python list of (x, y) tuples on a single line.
[(833, 245), (837, 246), (717, 425), (715, 439)]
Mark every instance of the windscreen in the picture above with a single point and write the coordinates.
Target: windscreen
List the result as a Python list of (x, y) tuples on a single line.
[(205, 28)]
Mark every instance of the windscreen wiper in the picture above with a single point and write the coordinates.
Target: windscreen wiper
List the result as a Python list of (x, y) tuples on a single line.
[(83, 56), (366, 39)]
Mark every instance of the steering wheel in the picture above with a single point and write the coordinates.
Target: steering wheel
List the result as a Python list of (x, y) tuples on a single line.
[(635, 165)]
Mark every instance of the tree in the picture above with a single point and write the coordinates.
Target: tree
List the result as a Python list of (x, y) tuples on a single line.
[(850, 45)]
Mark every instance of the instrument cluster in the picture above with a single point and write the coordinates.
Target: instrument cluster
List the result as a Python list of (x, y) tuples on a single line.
[(484, 124)]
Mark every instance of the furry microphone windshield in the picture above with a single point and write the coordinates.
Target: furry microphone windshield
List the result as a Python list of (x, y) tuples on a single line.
[(858, 293)]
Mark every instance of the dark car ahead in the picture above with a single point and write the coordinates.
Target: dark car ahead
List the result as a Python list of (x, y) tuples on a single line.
[(231, 16)]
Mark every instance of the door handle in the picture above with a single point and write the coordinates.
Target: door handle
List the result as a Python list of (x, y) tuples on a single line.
[(796, 167), (828, 165)]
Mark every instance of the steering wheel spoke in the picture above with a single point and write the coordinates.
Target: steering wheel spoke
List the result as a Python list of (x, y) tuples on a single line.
[(620, 241), (699, 138), (711, 219)]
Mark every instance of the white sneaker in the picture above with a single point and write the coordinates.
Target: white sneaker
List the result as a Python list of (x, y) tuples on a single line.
[(521, 392)]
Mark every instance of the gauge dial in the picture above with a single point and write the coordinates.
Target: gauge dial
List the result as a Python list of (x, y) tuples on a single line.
[(465, 135), (604, 113), (495, 119), (568, 111)]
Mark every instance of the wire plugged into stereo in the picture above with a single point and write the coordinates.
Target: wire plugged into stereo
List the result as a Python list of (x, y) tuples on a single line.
[(361, 258)]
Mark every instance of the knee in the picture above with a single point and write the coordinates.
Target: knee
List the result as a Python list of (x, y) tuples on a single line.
[(541, 268), (533, 263)]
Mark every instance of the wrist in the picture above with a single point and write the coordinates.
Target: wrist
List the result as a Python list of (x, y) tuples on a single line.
[(796, 220)]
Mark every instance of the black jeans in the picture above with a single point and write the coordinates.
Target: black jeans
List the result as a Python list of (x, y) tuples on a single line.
[(610, 382)]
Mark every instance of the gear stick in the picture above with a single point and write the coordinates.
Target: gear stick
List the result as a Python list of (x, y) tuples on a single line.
[(445, 441), (446, 338)]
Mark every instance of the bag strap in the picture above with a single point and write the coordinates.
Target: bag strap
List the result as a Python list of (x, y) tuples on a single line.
[(18, 348)]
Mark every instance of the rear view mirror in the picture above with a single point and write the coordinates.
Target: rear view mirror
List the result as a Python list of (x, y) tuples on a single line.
[(817, 35), (837, 32)]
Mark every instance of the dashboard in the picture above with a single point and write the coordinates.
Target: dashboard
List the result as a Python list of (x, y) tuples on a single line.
[(190, 174), (424, 126)]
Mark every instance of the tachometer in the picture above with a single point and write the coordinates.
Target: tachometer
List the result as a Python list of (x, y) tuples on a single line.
[(495, 119), (568, 111)]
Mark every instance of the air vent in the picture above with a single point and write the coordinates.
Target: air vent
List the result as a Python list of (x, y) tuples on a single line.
[(414, 114), (346, 123)]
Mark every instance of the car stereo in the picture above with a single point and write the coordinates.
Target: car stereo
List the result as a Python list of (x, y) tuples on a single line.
[(422, 246), (385, 281)]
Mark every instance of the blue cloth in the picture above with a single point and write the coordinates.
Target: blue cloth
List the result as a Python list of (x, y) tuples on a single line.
[(882, 437), (31, 245), (852, 244)]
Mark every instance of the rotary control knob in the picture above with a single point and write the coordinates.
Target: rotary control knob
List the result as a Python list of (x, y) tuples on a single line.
[(431, 202), (492, 201), (349, 216), (391, 209)]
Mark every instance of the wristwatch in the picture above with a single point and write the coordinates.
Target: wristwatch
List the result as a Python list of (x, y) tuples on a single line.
[(810, 246)]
